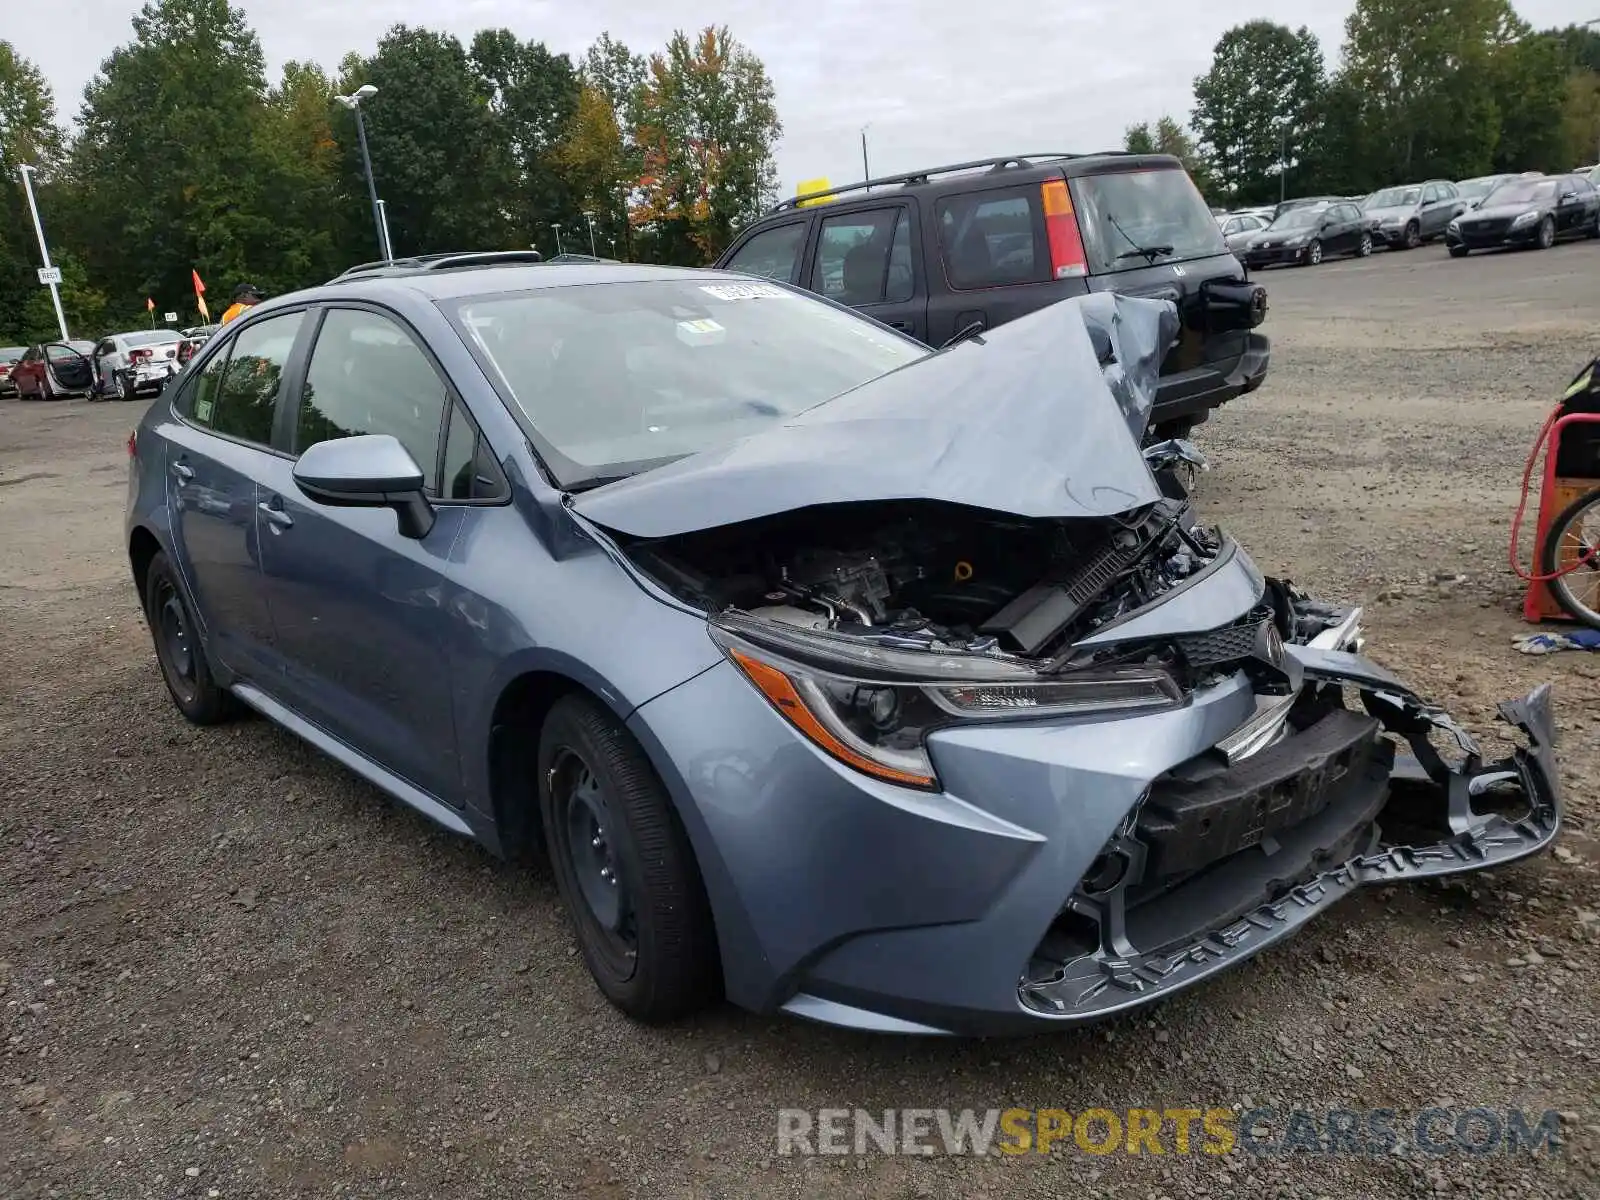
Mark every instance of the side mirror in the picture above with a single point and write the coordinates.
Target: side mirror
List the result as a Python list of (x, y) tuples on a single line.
[(370, 471), (1569, 197)]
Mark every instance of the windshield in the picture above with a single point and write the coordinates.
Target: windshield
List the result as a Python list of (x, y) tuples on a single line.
[(617, 378), (1125, 213), (1524, 191), (1472, 189), (1299, 218), (152, 337), (1394, 198)]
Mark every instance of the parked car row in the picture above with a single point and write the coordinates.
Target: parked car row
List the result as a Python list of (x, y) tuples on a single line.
[(1493, 211), (120, 366)]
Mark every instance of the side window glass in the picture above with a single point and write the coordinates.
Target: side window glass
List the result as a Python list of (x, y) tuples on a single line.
[(247, 396), (987, 239), (470, 472), (853, 256), (199, 400), (367, 376), (771, 254)]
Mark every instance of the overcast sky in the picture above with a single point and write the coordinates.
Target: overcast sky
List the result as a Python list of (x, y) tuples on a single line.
[(938, 80)]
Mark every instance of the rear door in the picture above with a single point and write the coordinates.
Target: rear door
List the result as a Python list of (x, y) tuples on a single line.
[(222, 445), (357, 609), (863, 258), (1572, 211)]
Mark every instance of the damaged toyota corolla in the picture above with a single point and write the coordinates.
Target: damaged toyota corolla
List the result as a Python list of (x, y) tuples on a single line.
[(892, 689)]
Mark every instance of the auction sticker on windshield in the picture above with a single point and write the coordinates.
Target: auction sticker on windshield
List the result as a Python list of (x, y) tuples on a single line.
[(745, 291)]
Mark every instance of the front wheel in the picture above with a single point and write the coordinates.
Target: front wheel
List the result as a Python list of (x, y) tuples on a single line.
[(1593, 228), (1413, 236), (179, 649), (125, 387), (1458, 251), (1547, 233), (1364, 250), (1574, 537), (624, 866), (1314, 254)]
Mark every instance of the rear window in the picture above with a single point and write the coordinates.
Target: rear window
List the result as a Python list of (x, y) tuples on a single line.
[(1130, 219), (995, 238), (151, 337)]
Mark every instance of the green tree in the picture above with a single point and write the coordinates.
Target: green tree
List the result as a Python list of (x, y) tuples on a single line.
[(1254, 110), (1528, 81), (533, 96), (1428, 82), (596, 161), (84, 306), (1580, 119), (28, 134), (1137, 139), (707, 128), (444, 169)]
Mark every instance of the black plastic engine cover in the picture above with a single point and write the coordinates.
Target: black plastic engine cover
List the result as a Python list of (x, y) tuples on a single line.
[(1205, 811)]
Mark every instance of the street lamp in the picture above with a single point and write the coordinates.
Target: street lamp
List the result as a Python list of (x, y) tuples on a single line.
[(26, 172), (353, 101), (589, 217)]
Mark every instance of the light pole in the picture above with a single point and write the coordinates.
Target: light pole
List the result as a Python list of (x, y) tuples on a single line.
[(589, 217), (559, 250), (353, 101), (26, 172)]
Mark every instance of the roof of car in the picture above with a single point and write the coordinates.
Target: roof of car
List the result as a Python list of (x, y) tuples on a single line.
[(453, 283)]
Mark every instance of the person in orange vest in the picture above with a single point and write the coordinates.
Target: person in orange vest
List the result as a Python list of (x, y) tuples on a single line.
[(245, 297)]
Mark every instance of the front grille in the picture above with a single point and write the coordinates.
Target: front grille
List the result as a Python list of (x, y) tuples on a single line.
[(1486, 229), (1227, 644)]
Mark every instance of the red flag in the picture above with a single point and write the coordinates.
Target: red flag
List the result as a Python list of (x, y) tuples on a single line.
[(200, 296)]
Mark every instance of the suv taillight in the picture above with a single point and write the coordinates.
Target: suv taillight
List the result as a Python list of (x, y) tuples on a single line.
[(133, 443), (1067, 260)]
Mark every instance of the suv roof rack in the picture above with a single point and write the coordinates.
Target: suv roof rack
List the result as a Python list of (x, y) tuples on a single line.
[(1003, 163), (446, 261)]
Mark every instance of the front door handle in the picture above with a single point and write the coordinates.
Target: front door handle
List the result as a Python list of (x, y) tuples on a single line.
[(276, 517), (902, 326), (183, 472)]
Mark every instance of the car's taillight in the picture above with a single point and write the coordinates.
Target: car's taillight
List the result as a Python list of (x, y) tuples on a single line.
[(133, 443), (139, 356), (1067, 260)]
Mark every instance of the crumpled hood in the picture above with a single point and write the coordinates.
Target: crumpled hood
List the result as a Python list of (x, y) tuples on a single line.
[(1042, 418)]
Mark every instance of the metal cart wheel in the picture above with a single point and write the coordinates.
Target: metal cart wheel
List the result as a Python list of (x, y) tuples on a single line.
[(1572, 544)]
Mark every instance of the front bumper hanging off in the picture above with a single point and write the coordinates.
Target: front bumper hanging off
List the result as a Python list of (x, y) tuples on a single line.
[(1394, 819)]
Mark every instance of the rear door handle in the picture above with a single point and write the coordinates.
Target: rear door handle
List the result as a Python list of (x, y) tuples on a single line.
[(902, 326), (272, 510), (183, 471)]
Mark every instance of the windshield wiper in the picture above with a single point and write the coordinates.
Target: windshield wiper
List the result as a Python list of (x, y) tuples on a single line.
[(1148, 253), (966, 333)]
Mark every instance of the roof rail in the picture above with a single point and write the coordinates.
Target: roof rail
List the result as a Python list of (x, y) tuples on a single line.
[(910, 177), (447, 260)]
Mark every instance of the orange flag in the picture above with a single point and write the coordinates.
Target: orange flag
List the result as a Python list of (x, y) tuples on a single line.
[(200, 295)]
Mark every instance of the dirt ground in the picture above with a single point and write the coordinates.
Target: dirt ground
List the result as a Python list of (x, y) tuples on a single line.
[(228, 968)]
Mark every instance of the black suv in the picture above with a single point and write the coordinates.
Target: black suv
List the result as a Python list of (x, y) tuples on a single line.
[(945, 251)]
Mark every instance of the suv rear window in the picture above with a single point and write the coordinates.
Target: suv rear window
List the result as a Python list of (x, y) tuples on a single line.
[(994, 238), (1123, 213)]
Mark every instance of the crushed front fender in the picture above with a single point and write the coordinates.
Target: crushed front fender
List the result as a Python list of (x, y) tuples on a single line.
[(1434, 817)]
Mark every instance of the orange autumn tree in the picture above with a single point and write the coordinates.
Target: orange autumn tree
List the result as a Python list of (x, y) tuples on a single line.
[(707, 127)]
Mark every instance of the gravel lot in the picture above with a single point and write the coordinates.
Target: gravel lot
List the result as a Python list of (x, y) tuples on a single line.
[(229, 968)]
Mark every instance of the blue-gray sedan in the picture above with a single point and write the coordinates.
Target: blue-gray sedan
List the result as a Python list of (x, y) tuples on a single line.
[(892, 688)]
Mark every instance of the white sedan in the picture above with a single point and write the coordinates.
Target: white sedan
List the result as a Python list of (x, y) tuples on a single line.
[(126, 364)]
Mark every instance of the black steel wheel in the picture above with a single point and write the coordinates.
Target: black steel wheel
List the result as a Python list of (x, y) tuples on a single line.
[(624, 866), (180, 651), (1458, 251)]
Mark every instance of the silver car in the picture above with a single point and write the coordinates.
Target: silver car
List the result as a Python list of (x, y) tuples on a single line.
[(1238, 229), (127, 364), (892, 688), (1405, 217)]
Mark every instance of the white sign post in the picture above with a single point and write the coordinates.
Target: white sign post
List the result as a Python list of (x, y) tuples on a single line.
[(54, 284)]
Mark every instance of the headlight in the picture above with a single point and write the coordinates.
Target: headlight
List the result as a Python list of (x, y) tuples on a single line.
[(1298, 239), (1454, 226), (871, 707), (1527, 218)]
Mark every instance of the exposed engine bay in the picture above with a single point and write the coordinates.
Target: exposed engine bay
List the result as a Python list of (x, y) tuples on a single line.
[(931, 575)]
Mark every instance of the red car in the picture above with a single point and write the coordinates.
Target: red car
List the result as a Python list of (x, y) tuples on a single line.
[(54, 371), (8, 359)]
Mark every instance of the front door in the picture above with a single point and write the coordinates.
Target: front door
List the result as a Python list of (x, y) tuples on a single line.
[(215, 455), (358, 610), (863, 258)]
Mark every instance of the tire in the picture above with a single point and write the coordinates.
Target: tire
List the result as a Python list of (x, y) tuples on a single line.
[(125, 387), (1586, 610), (179, 649), (1547, 233), (645, 929), (1313, 256), (1364, 250), (1593, 231), (1413, 237), (1458, 251)]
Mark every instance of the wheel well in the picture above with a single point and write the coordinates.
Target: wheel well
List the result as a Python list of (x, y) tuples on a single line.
[(142, 549), (513, 756)]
